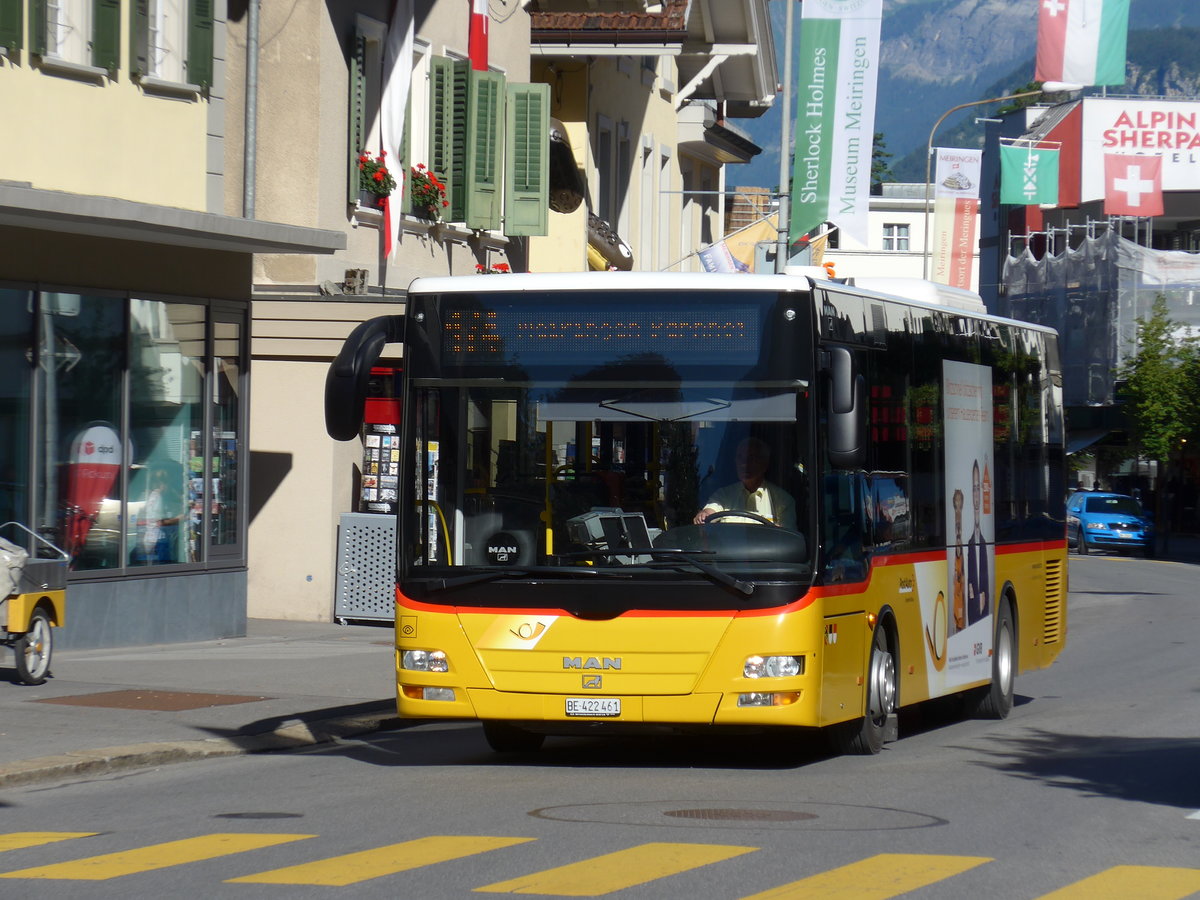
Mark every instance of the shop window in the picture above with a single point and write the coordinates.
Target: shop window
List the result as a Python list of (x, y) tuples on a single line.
[(134, 454), (16, 331), (80, 450), (166, 408), (224, 466)]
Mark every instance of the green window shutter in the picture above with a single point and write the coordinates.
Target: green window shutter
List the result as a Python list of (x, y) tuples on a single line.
[(527, 160), (37, 27), (12, 24), (200, 43), (484, 140), (357, 126), (405, 162), (106, 34), (139, 38), (447, 117)]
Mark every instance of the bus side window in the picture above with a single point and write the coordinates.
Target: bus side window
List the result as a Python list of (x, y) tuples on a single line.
[(846, 538)]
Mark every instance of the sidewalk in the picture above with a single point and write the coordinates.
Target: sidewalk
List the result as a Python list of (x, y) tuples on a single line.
[(285, 684)]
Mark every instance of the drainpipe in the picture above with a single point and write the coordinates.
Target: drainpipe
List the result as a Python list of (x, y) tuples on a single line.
[(250, 139)]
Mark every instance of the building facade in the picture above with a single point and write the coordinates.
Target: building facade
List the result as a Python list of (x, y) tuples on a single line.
[(125, 314)]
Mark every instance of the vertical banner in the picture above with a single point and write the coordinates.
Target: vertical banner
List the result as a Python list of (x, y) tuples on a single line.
[(1028, 175), (955, 206), (477, 38), (397, 78), (1082, 41), (835, 115), (959, 622)]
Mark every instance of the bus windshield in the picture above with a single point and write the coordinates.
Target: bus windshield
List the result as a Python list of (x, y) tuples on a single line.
[(681, 456)]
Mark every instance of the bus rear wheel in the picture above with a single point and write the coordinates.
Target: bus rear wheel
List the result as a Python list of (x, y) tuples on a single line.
[(505, 738), (996, 700), (866, 736)]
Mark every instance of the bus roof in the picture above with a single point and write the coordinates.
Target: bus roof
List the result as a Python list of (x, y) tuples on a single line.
[(912, 291)]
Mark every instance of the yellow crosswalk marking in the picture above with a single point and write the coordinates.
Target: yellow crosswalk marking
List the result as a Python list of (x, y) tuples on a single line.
[(878, 878), (1122, 882), (18, 840), (615, 871), (339, 871), (156, 856)]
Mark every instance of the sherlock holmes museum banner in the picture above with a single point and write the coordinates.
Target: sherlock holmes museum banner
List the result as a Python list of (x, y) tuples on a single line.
[(835, 115)]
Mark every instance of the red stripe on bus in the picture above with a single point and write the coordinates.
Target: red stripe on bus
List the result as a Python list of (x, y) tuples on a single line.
[(795, 606)]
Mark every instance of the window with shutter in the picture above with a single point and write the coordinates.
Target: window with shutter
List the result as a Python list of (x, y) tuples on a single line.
[(12, 24), (526, 181), (484, 138), (63, 30)]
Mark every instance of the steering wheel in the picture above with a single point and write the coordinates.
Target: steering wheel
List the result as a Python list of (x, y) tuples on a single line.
[(738, 514)]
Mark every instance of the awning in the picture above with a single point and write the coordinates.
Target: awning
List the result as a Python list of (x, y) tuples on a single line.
[(1081, 440), (22, 206)]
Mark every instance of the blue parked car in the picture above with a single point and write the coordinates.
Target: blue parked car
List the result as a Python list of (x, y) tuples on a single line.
[(1100, 521)]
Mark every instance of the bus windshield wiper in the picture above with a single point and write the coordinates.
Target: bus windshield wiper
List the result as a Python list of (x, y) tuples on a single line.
[(443, 584), (670, 557)]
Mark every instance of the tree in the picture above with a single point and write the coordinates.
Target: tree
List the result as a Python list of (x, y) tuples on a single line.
[(879, 165), (1160, 386)]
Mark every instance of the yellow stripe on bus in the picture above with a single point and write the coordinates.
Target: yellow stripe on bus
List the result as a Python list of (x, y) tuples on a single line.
[(19, 840), (339, 871), (156, 856), (1122, 882), (616, 871), (878, 878)]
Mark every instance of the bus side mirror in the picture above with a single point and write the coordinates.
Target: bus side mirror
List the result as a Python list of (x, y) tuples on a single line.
[(847, 410), (346, 380)]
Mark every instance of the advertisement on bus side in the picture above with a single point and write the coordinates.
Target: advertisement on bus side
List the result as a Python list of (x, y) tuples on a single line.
[(958, 611)]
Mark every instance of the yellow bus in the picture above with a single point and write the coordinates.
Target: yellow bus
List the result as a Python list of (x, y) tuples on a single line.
[(704, 501)]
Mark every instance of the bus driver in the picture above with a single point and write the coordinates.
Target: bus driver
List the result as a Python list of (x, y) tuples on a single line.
[(752, 492)]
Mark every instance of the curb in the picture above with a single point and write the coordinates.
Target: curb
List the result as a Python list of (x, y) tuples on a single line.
[(104, 760)]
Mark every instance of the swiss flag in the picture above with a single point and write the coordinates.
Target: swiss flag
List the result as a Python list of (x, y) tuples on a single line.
[(1132, 185)]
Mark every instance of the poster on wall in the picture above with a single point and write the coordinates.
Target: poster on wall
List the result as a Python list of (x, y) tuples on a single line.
[(959, 616), (380, 469)]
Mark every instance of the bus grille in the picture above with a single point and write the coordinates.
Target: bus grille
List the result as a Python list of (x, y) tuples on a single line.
[(1055, 590)]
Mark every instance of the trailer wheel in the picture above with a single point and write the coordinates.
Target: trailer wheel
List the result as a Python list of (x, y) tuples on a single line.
[(33, 649)]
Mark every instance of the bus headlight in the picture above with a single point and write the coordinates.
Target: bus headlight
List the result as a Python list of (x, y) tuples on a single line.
[(773, 666), (424, 661)]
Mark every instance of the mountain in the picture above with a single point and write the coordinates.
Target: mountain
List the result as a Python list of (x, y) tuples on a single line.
[(1160, 63), (935, 54)]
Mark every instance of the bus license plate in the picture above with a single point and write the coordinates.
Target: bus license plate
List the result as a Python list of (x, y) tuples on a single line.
[(594, 706)]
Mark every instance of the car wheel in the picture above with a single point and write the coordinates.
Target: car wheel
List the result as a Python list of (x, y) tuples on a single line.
[(1081, 546)]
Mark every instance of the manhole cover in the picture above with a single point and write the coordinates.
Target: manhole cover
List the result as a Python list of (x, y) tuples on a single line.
[(808, 815), (740, 815), (159, 701)]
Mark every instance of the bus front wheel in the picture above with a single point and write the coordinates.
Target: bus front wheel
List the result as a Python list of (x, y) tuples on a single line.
[(505, 738), (866, 735)]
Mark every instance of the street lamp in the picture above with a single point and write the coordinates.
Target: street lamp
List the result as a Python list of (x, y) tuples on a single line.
[(929, 158), (1047, 88)]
